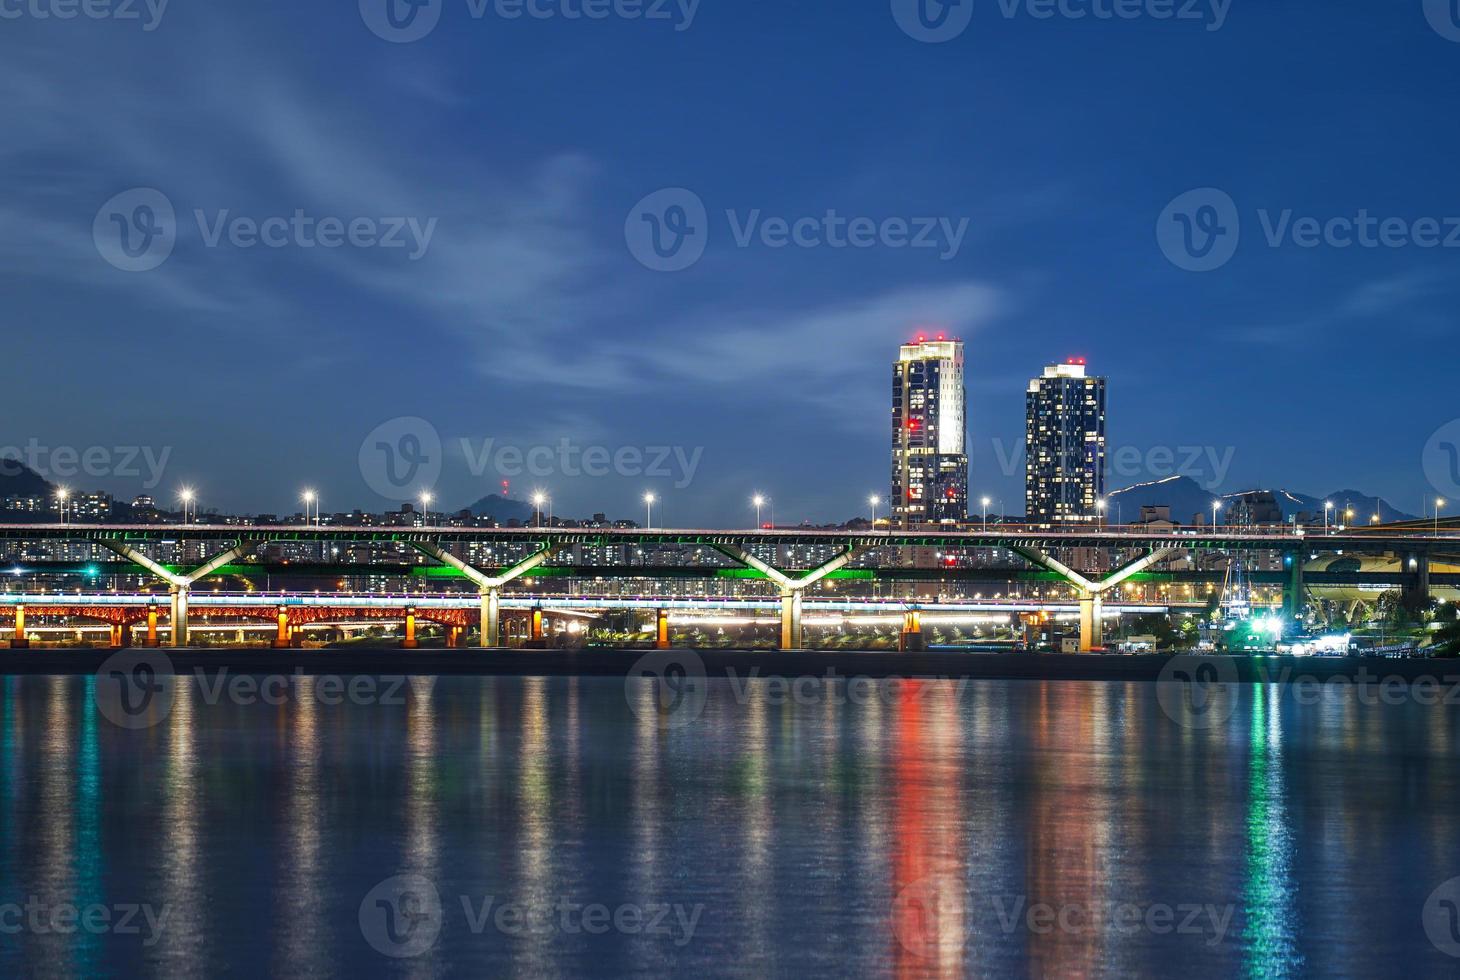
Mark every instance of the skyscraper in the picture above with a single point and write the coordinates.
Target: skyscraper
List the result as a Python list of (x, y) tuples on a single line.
[(929, 456), (1064, 471)]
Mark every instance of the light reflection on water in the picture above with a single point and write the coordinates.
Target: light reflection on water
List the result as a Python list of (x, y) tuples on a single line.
[(914, 835)]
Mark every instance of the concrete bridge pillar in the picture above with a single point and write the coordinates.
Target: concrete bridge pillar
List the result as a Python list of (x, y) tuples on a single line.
[(1417, 586), (179, 613), (537, 625), (1293, 594), (152, 640), (19, 641), (410, 642), (1092, 623), (492, 618), (791, 638), (661, 630)]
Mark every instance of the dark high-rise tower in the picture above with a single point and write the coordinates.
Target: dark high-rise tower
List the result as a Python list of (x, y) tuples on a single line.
[(929, 456), (1064, 472)]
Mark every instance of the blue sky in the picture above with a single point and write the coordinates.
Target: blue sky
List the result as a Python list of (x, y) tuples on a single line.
[(525, 146)]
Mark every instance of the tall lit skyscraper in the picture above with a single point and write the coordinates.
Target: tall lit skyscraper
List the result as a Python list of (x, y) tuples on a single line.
[(1064, 471), (929, 456)]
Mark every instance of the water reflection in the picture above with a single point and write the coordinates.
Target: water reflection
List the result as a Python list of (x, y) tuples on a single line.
[(909, 833)]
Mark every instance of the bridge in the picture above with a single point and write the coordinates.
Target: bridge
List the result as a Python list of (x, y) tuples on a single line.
[(1423, 558)]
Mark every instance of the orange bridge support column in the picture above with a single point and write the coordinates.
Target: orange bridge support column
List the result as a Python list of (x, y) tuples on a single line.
[(152, 640), (281, 639), (410, 642), (661, 631), (19, 642), (912, 632)]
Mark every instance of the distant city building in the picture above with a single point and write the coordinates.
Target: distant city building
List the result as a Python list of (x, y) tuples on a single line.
[(929, 455), (1064, 472)]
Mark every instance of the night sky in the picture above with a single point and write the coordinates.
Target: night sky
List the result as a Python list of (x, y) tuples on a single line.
[(525, 147)]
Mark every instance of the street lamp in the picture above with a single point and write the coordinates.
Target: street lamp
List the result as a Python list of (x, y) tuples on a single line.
[(1439, 502), (1216, 507), (985, 502), (874, 500), (538, 500), (426, 498), (188, 498), (757, 502), (62, 495), (311, 499), (1100, 510), (649, 510), (1327, 511)]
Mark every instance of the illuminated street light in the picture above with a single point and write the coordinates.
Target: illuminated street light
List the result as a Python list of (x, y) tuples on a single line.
[(1439, 503), (649, 510), (310, 498), (62, 495), (426, 498), (538, 500), (188, 497), (757, 502), (1216, 507), (1327, 511), (985, 502), (1100, 509), (874, 500)]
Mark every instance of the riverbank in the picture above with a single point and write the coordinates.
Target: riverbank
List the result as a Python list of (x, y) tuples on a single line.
[(734, 664)]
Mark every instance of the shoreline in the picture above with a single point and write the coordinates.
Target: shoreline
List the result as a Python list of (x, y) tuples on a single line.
[(726, 664)]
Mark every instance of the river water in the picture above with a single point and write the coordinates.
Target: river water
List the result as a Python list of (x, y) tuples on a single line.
[(494, 827)]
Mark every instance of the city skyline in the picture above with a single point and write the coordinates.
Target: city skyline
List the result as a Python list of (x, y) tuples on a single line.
[(528, 319)]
